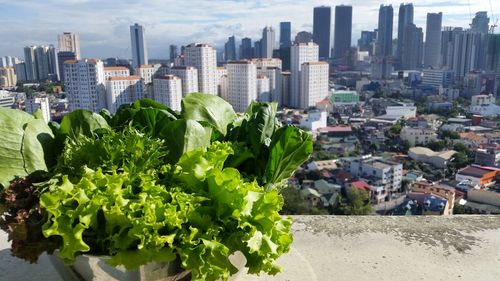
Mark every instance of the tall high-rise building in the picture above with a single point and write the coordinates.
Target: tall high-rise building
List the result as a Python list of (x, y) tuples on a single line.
[(242, 84), (480, 23), (466, 52), (342, 31), (61, 58), (30, 61), (8, 77), (20, 69), (271, 69), (246, 50), (173, 52), (41, 63), (123, 90), (405, 17), (168, 91), (300, 54), (85, 84), (230, 49), (382, 61), (268, 42), (285, 34), (257, 49), (69, 42), (189, 78), (447, 39), (263, 93), (412, 47), (139, 47), (321, 30), (313, 83), (204, 58), (432, 50), (493, 58), (365, 43)]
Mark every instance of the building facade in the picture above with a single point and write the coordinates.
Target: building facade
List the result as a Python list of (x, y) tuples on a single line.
[(168, 90), (123, 90), (432, 51), (242, 84), (342, 31), (300, 54), (268, 42), (204, 58), (188, 76), (321, 30), (85, 84), (313, 83)]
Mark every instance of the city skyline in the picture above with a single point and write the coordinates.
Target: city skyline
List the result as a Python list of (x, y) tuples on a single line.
[(105, 32)]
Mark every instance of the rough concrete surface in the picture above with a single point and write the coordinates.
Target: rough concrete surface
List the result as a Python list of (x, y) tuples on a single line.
[(359, 248)]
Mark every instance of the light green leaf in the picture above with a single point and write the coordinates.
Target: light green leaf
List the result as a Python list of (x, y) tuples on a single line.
[(208, 109), (182, 136)]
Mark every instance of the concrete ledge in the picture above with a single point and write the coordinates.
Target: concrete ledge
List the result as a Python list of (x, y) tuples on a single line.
[(359, 248)]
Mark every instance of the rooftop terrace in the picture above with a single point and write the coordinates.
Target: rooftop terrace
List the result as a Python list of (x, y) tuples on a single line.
[(359, 248)]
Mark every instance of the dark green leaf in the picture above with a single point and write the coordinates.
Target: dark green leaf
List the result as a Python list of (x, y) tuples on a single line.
[(183, 135), (82, 122), (290, 147)]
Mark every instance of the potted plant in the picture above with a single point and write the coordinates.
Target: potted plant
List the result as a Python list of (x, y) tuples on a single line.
[(149, 186)]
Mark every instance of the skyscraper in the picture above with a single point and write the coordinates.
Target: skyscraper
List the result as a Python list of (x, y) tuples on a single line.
[(257, 49), (246, 51), (300, 54), (285, 34), (412, 47), (230, 49), (405, 17), (342, 30), (204, 58), (480, 23), (69, 42), (30, 61), (493, 58), (382, 61), (321, 30), (41, 63), (173, 52), (433, 39), (365, 43), (268, 42), (139, 48)]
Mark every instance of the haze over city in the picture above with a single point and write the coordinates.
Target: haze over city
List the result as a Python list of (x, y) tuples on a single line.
[(104, 29)]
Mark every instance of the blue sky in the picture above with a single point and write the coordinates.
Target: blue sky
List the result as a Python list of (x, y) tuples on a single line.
[(103, 25)]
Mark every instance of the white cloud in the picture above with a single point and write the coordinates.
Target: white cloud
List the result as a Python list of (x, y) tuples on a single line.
[(104, 25)]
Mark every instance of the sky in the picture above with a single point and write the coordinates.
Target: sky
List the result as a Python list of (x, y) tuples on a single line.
[(103, 25)]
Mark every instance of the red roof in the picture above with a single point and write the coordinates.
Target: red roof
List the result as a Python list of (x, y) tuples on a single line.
[(359, 184)]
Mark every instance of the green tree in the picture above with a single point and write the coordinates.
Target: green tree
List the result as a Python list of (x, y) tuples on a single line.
[(296, 205), (449, 135), (437, 145), (356, 202)]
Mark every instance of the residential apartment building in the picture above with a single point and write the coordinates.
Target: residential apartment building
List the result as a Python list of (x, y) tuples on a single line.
[(123, 90), (263, 92), (204, 58), (189, 78), (168, 90), (313, 83), (8, 77), (242, 84), (300, 54), (85, 84), (116, 71), (378, 171), (418, 136)]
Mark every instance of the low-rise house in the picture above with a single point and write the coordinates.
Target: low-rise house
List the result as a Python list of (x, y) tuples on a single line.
[(418, 203), (311, 195), (438, 159), (488, 157), (436, 189), (324, 187), (315, 119), (321, 165), (474, 139), (336, 131), (329, 199), (477, 175), (418, 136), (485, 196), (377, 194)]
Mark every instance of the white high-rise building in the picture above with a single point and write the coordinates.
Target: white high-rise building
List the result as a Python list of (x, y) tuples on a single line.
[(263, 93), (268, 42), (204, 58), (115, 71), (84, 82), (36, 102), (300, 53), (139, 47), (146, 72), (168, 90), (242, 84), (313, 83), (189, 78), (222, 82), (123, 90), (69, 42), (274, 76), (267, 62)]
